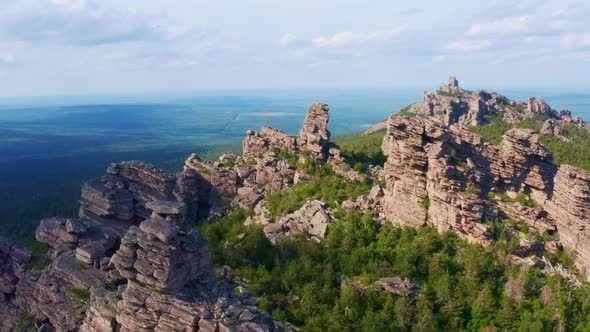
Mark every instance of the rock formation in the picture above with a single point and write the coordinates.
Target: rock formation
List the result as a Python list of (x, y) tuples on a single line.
[(131, 262), (453, 105), (438, 172), (268, 164), (570, 208), (110, 271)]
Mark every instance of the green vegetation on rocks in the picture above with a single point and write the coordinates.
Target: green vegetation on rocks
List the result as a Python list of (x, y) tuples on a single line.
[(39, 263), (573, 153), (79, 293), (364, 148), (463, 287), (325, 186)]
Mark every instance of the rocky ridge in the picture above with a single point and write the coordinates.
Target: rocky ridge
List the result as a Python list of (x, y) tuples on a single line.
[(110, 271), (438, 172), (131, 262)]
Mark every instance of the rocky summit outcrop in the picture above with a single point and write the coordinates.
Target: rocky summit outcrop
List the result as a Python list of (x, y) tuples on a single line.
[(452, 104), (268, 164), (121, 197), (445, 175), (129, 263), (440, 173)]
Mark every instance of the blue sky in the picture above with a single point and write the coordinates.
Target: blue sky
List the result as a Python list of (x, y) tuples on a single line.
[(54, 47)]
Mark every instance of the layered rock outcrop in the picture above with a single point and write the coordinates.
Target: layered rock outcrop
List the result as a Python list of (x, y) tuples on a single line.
[(268, 164), (570, 208), (440, 173), (443, 175), (121, 197), (110, 271), (453, 105)]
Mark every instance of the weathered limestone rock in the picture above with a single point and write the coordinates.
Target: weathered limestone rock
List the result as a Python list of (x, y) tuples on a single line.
[(121, 197), (396, 286), (453, 105), (314, 136), (170, 285), (372, 203), (312, 219), (216, 184), (540, 107), (441, 175), (570, 208), (90, 240), (535, 218), (523, 165), (13, 258)]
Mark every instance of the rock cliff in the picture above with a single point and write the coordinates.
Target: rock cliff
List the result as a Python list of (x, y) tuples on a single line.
[(452, 104), (132, 262), (129, 263), (440, 173)]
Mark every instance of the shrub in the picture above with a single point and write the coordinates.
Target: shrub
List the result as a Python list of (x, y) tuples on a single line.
[(39, 248), (332, 189), (425, 203), (38, 263), (79, 293), (364, 148)]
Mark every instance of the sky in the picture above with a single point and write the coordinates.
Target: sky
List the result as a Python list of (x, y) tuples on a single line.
[(66, 47)]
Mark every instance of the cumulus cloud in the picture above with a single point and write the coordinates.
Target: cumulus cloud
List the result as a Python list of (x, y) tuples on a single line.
[(510, 25), (576, 41), (342, 39), (7, 59), (80, 22), (469, 45)]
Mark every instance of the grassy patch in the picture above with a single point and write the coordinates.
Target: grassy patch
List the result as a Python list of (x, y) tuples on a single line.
[(39, 248), (286, 155), (449, 94), (364, 148), (331, 189), (79, 293), (573, 153), (38, 263)]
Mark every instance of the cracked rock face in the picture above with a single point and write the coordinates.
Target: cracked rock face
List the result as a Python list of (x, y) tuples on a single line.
[(570, 208), (444, 176), (113, 269), (441, 175), (311, 219)]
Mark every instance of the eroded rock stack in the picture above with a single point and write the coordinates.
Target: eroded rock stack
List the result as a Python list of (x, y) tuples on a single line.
[(446, 176), (268, 164), (110, 271), (121, 196), (171, 286), (570, 208), (443, 175)]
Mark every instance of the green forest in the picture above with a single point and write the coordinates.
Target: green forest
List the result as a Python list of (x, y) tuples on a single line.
[(463, 287), (327, 286)]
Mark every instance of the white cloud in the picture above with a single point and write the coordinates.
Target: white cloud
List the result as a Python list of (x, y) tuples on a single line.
[(342, 39), (82, 23), (348, 38), (469, 46), (576, 40), (510, 25), (7, 59), (439, 58)]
